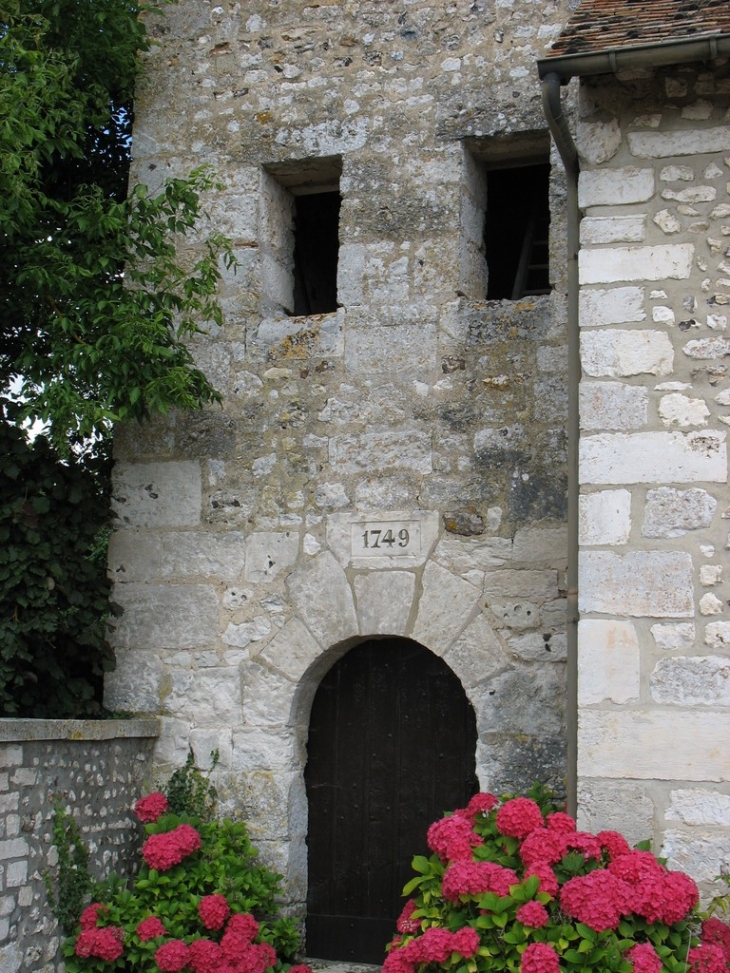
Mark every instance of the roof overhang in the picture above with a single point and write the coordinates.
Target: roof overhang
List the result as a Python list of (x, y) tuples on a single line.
[(707, 47)]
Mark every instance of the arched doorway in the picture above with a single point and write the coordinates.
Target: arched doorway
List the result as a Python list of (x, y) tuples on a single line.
[(392, 743)]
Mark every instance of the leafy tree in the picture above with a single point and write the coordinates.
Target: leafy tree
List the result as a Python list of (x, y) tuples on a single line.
[(96, 306)]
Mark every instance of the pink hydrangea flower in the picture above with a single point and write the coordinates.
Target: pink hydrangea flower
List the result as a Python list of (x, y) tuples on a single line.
[(539, 958), (542, 845), (548, 879), (533, 914), (406, 923), (106, 944), (244, 925), (204, 956), (598, 899), (452, 838), (706, 958), (717, 933), (151, 807), (300, 968), (644, 958), (150, 928), (397, 962), (173, 956), (164, 851), (479, 806), (584, 842), (613, 843), (474, 878), (560, 822), (90, 916), (213, 911), (436, 945), (518, 817)]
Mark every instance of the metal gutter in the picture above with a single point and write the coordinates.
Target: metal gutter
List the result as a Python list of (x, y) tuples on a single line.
[(709, 47), (560, 132)]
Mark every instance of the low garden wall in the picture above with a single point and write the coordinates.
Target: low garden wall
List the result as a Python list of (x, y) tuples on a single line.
[(94, 770)]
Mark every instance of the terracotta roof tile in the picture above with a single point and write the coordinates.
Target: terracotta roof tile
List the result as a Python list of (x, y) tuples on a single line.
[(603, 25)]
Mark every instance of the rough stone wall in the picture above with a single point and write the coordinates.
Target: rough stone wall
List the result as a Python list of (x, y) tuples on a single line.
[(417, 405), (655, 301), (95, 771)]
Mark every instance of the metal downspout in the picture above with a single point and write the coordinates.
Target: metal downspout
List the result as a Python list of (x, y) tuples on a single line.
[(560, 132)]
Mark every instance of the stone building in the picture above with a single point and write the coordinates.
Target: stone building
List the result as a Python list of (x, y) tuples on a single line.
[(357, 578)]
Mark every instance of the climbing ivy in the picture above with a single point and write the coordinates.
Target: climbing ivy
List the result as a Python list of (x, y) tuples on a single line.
[(66, 894)]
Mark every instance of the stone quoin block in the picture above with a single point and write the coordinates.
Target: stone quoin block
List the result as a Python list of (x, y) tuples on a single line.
[(616, 305), (653, 457), (614, 187), (616, 354), (662, 262), (608, 661), (639, 583), (604, 517)]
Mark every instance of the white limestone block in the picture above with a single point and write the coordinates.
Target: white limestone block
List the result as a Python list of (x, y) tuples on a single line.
[(205, 555), (446, 605), (653, 584), (613, 405), (691, 681), (135, 555), (672, 638), (204, 696), (477, 655), (710, 604), (268, 553), (653, 457), (672, 513), (696, 807), (383, 601), (710, 575), (157, 494), (610, 805), (612, 229), (598, 142), (615, 305), (534, 585), (612, 187), (267, 696), (244, 633), (677, 174), (166, 616), (667, 221), (654, 745), (695, 194), (608, 661), (605, 517), (541, 544), (717, 635), (538, 646), (615, 353), (604, 265), (703, 856), (659, 145), (706, 349), (323, 599), (292, 650)]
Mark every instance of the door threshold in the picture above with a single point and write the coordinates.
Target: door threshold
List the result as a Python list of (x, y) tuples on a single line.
[(340, 966)]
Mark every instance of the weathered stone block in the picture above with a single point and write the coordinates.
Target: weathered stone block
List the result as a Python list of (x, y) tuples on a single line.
[(384, 600), (446, 605), (477, 655), (612, 229), (617, 305), (671, 638), (203, 555), (653, 457), (157, 494), (613, 405), (268, 553), (672, 513), (605, 517), (612, 805), (640, 583), (703, 856), (633, 744), (662, 262), (614, 187), (696, 807), (323, 599), (661, 145), (692, 681), (292, 651), (166, 616), (621, 353), (386, 451), (608, 661)]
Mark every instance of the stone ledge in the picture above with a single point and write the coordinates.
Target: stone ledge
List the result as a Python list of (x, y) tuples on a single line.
[(19, 730)]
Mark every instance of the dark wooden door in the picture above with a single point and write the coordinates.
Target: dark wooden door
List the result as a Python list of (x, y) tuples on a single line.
[(392, 739)]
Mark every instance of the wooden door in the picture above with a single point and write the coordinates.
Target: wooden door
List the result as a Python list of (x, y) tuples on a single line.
[(392, 739)]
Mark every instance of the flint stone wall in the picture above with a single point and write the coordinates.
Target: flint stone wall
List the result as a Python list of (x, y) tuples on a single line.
[(655, 303), (94, 770), (416, 405)]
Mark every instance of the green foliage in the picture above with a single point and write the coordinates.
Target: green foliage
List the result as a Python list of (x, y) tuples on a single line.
[(189, 792), (66, 894), (53, 594), (95, 302)]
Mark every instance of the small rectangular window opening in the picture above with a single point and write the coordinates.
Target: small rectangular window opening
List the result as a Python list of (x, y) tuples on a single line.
[(316, 246), (516, 231), (302, 236)]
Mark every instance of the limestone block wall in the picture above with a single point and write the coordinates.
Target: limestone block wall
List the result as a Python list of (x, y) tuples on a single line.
[(94, 770), (654, 706), (417, 405)]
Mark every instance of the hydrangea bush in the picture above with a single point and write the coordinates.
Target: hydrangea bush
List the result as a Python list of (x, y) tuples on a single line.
[(199, 903), (513, 886)]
